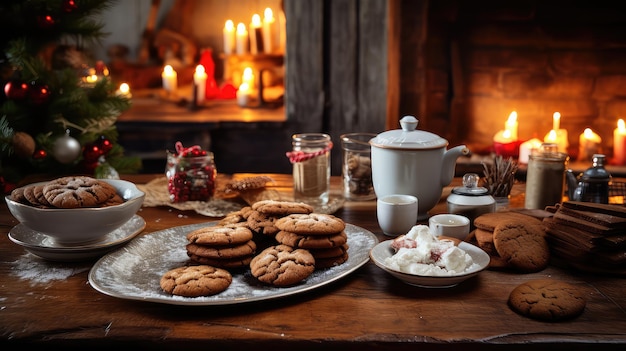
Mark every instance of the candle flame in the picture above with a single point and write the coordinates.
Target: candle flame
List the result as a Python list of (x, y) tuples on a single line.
[(229, 26), (268, 15), (168, 70), (506, 134), (556, 120), (512, 117), (124, 88), (199, 69), (241, 28), (588, 133), (256, 21), (244, 87), (551, 136), (621, 125)]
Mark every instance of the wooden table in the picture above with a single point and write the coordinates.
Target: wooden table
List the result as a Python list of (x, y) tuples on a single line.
[(368, 310)]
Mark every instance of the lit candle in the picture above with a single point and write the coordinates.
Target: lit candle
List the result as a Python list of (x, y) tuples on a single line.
[(170, 79), (269, 31), (511, 125), (282, 31), (229, 37), (243, 94), (248, 77), (199, 79), (124, 90), (619, 143), (256, 37), (526, 149), (557, 135), (241, 40), (589, 144)]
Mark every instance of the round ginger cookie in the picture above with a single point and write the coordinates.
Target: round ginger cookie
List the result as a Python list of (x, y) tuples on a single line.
[(547, 300), (311, 224), (282, 265), (236, 217), (222, 251), (311, 241), (220, 235), (522, 245), (281, 208), (262, 223), (34, 195), (77, 191), (194, 281)]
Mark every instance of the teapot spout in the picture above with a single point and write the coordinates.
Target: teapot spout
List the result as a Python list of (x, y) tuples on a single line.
[(572, 185), (449, 163)]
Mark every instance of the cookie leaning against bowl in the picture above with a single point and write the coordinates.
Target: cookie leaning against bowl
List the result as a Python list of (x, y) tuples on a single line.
[(547, 299), (522, 245), (311, 224), (282, 265), (194, 281)]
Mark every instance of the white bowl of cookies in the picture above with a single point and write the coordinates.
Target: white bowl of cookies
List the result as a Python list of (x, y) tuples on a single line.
[(75, 210)]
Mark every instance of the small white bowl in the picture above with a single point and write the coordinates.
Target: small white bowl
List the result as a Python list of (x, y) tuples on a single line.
[(383, 250), (450, 225), (78, 226)]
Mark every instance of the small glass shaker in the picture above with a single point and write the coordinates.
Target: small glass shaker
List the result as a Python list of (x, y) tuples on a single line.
[(471, 200), (545, 178), (594, 185)]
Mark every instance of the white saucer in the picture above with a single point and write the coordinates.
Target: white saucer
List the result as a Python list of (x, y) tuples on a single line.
[(45, 247)]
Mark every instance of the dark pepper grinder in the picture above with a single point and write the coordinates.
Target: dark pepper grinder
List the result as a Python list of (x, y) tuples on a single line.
[(594, 185)]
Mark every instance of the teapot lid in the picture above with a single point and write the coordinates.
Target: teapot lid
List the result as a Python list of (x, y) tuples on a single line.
[(408, 137)]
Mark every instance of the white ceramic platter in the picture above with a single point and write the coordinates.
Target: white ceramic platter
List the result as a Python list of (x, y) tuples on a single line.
[(42, 245), (135, 270), (383, 250)]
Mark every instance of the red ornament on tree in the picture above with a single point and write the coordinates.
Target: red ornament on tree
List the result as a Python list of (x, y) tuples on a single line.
[(104, 144), (39, 94), (69, 6), (92, 153), (40, 154), (45, 21), (16, 90)]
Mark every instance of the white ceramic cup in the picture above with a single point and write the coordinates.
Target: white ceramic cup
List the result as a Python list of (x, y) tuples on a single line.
[(397, 213), (451, 225)]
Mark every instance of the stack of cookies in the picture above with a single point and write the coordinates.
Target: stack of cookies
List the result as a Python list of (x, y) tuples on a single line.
[(513, 240), (589, 236), (223, 246), (321, 234), (68, 192)]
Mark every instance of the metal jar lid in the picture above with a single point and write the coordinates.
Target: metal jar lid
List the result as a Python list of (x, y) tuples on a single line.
[(408, 137)]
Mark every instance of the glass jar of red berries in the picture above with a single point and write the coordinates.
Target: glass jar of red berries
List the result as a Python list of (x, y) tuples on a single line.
[(190, 174)]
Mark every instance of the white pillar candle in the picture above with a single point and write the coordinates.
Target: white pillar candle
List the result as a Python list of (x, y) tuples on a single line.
[(526, 149), (256, 36), (619, 143), (269, 31), (248, 77), (199, 80), (170, 79), (229, 37), (241, 43), (243, 95), (589, 144)]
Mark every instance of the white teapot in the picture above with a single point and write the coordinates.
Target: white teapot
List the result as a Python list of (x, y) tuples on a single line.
[(413, 162)]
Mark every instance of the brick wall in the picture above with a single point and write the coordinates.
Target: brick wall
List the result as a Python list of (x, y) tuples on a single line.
[(485, 59)]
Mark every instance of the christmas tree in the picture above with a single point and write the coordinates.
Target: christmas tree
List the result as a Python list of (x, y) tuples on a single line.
[(59, 106)]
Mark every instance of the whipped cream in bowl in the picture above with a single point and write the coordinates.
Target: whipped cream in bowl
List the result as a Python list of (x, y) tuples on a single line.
[(419, 258)]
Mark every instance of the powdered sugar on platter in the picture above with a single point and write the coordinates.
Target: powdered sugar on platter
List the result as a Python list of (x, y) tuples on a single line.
[(134, 271)]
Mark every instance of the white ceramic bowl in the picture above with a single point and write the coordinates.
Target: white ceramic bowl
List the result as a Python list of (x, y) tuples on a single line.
[(380, 252), (78, 226)]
